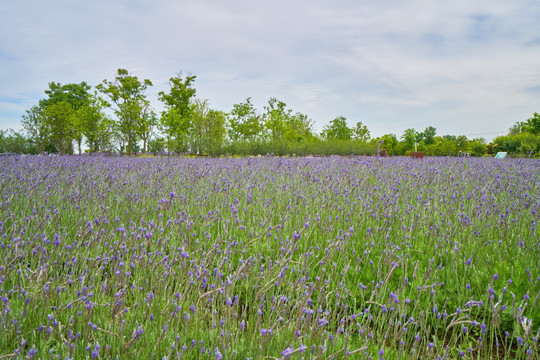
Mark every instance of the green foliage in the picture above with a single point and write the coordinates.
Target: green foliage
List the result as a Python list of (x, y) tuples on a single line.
[(244, 122), (282, 124), (70, 114), (360, 132), (523, 138), (409, 137), (207, 130), (76, 95), (129, 102), (175, 120), (531, 125), (429, 135), (32, 123), (442, 146), (521, 144), (58, 119), (477, 147), (15, 143), (337, 130), (157, 145), (462, 142), (61, 116), (389, 142), (92, 122), (145, 125)]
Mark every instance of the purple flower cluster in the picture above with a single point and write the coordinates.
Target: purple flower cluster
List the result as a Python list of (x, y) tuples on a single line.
[(143, 257)]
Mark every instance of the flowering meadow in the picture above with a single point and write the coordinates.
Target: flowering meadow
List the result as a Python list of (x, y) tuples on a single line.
[(269, 258)]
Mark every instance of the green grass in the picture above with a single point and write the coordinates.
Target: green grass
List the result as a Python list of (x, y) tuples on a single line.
[(269, 258)]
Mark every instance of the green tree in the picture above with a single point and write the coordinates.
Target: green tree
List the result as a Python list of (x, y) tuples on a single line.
[(48, 122), (14, 142), (208, 128), (129, 102), (361, 132), (105, 134), (58, 120), (32, 122), (442, 146), (156, 145), (450, 137), (77, 129), (244, 122), (145, 126), (76, 95), (477, 147), (175, 120), (298, 128), (462, 142), (90, 119), (532, 125), (518, 144), (389, 142), (275, 118), (429, 135), (517, 128), (337, 130), (409, 138), (282, 125)]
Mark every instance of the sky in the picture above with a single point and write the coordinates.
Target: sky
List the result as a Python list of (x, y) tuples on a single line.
[(466, 67)]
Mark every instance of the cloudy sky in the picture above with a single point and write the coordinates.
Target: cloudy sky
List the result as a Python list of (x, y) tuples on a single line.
[(467, 67)]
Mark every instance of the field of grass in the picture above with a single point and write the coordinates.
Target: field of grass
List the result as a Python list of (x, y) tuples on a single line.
[(269, 258)]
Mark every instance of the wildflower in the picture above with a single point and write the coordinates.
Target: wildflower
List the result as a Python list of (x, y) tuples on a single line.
[(32, 352), (95, 353), (139, 331), (322, 322), (287, 352)]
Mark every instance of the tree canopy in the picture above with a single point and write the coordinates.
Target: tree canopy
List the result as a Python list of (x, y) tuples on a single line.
[(117, 116)]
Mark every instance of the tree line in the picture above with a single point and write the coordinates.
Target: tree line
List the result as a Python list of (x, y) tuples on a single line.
[(116, 116)]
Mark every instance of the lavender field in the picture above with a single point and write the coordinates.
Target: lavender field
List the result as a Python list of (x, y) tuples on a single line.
[(269, 258)]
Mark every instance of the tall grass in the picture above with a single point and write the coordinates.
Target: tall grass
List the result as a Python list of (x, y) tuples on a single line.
[(301, 258)]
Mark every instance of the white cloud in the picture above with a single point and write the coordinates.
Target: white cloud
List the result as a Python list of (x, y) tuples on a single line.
[(461, 66)]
